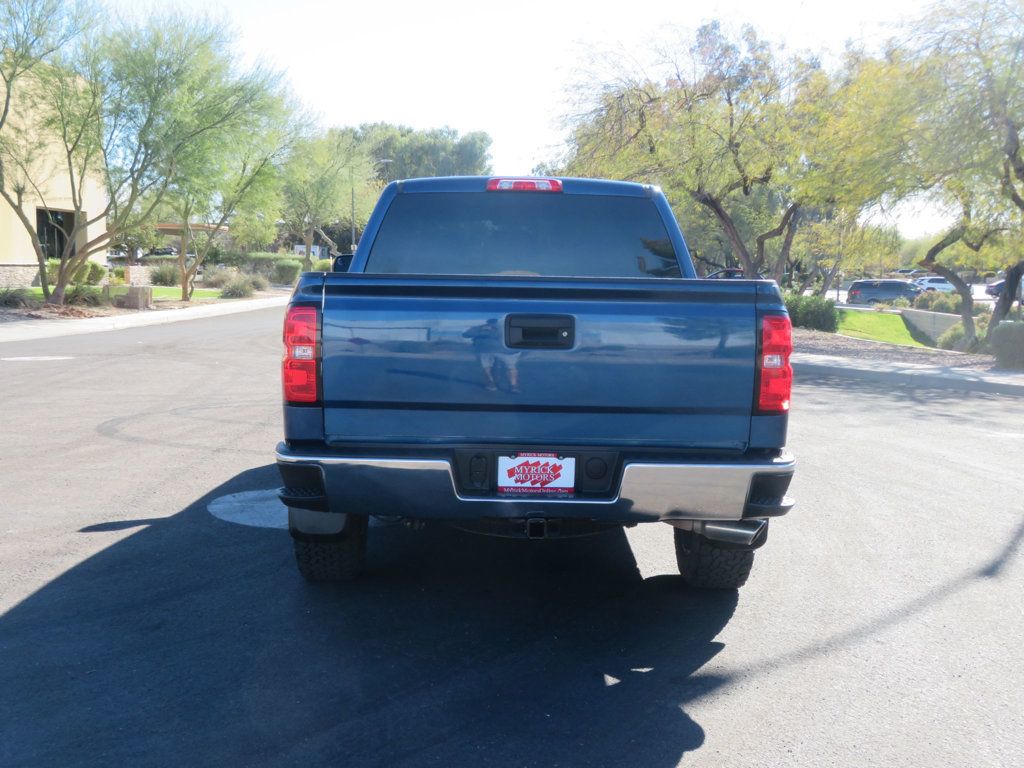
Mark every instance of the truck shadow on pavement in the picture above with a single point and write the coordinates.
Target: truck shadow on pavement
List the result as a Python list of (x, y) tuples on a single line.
[(195, 642)]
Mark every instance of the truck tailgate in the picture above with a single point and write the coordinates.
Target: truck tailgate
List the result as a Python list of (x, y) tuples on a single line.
[(646, 362)]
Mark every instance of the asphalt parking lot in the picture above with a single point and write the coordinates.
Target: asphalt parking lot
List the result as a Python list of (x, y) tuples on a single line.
[(881, 625)]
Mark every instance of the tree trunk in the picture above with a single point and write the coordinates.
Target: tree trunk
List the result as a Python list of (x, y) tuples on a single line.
[(966, 305), (787, 245), (809, 277), (60, 285), (186, 294), (44, 278), (823, 291), (784, 226), (307, 263), (731, 232), (1006, 298)]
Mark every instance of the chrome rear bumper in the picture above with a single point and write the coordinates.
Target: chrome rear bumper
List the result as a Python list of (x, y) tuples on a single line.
[(649, 491)]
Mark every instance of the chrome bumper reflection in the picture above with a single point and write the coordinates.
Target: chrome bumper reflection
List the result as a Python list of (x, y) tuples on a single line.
[(425, 488)]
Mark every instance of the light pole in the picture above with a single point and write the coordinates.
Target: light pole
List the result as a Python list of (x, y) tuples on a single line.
[(352, 190)]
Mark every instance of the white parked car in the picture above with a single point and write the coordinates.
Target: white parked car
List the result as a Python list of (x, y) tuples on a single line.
[(935, 284)]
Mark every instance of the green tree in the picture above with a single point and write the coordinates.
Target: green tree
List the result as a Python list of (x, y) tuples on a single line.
[(32, 33), (324, 177), (127, 106), (972, 124), (400, 152), (233, 167), (752, 139)]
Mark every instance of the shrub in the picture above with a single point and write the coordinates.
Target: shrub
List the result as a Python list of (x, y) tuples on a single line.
[(239, 287), (953, 338), (214, 277), (901, 303), (15, 297), (83, 295), (259, 282), (92, 273), (323, 265), (165, 274), (1007, 344), (52, 267), (286, 271), (815, 312), (119, 273), (950, 303)]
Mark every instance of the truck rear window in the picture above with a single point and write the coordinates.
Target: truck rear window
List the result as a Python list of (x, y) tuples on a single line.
[(522, 233)]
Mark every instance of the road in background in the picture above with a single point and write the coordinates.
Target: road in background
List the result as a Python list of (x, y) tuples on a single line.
[(881, 625)]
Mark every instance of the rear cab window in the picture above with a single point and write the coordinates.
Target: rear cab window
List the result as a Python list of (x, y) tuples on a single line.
[(522, 233)]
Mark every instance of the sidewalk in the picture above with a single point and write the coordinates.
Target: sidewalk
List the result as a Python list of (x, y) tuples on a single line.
[(29, 330), (913, 374)]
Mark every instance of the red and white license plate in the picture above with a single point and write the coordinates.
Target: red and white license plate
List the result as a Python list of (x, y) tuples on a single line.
[(536, 473)]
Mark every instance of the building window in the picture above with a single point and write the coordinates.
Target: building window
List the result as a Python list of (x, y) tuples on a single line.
[(54, 228)]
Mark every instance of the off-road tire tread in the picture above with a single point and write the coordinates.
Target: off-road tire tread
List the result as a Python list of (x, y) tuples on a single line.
[(703, 565), (333, 560)]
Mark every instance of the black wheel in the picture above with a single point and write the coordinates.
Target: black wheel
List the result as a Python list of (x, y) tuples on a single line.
[(331, 559), (705, 565)]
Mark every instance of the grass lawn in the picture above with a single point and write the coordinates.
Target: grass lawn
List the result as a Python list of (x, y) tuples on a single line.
[(160, 292), (876, 326), (174, 292)]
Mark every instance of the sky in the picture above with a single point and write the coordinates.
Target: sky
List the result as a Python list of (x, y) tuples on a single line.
[(510, 69)]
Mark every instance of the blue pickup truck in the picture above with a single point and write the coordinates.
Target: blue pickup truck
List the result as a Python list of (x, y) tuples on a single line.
[(537, 358)]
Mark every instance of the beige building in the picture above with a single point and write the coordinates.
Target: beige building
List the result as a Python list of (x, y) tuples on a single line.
[(52, 214)]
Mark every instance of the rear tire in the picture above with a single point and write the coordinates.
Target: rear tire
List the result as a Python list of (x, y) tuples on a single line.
[(707, 566), (334, 559)]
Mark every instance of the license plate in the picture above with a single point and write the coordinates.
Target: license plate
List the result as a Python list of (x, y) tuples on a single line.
[(536, 474)]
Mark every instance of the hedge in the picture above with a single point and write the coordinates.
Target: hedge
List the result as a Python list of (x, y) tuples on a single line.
[(1007, 343), (286, 271), (815, 312), (90, 273), (951, 338), (950, 303)]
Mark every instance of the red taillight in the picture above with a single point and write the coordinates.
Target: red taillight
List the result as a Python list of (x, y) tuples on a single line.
[(301, 355), (524, 185), (774, 371)]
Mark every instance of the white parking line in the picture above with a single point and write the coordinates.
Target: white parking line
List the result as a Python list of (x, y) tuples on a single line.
[(40, 358)]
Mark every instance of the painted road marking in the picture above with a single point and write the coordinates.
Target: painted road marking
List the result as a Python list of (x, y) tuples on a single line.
[(262, 509), (41, 358), (259, 509)]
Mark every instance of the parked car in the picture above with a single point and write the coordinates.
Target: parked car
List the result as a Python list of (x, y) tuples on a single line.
[(170, 250), (910, 273), (932, 283), (996, 288), (533, 358), (881, 291)]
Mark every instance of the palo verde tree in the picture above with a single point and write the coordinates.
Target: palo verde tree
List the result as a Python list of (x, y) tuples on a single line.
[(322, 177), (126, 108), (234, 167), (973, 124), (32, 33), (730, 123)]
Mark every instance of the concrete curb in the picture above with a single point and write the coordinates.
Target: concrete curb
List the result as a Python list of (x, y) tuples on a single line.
[(30, 330), (925, 377)]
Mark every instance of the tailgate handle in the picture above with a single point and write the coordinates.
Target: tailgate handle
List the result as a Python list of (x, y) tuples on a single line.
[(540, 331)]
